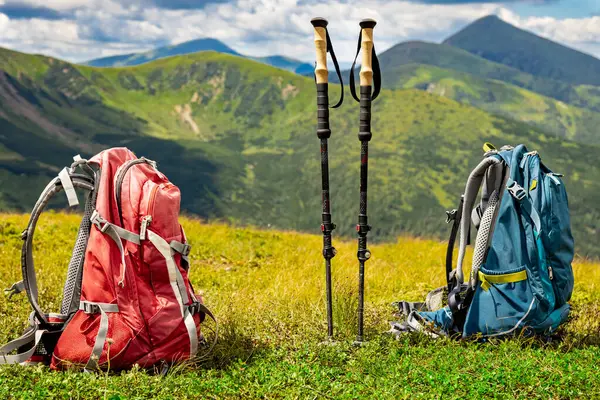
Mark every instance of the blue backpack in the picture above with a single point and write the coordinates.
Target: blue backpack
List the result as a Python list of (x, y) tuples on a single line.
[(521, 277)]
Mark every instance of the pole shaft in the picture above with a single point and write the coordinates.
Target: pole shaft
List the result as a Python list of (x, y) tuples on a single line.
[(327, 227), (329, 296), (364, 136), (324, 132), (363, 228)]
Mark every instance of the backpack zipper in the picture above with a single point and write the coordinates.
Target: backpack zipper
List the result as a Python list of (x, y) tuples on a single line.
[(121, 176), (146, 220), (152, 200)]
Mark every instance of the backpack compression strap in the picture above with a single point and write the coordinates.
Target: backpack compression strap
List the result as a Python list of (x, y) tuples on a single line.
[(33, 335)]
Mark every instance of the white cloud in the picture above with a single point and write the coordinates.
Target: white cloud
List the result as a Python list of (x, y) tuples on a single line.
[(37, 30), (580, 33), (262, 27)]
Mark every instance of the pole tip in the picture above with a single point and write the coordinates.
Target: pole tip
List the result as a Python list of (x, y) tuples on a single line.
[(368, 23), (319, 22)]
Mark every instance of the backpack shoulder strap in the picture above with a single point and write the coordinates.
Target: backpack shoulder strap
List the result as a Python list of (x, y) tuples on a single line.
[(67, 181), (491, 168), (470, 196)]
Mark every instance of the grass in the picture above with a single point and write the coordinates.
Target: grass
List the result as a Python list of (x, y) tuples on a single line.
[(266, 288)]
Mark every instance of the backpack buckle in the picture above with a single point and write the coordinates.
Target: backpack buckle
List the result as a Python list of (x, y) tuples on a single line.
[(451, 215), (16, 288), (89, 308), (198, 308), (100, 222), (194, 307), (517, 191), (187, 249)]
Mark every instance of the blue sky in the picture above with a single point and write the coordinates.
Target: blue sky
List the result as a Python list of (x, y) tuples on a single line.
[(78, 30)]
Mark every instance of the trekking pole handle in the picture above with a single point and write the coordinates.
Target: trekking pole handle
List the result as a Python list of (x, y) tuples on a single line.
[(321, 72), (321, 77), (366, 68)]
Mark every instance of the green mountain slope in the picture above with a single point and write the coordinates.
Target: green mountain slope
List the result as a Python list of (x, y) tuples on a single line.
[(500, 98), (239, 139), (498, 41), (450, 57)]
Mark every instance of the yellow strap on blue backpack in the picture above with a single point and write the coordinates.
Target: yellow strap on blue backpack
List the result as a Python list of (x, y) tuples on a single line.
[(487, 146), (487, 280)]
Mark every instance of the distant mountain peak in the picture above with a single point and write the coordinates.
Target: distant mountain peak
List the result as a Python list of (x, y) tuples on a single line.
[(195, 46), (192, 46), (490, 18), (496, 40)]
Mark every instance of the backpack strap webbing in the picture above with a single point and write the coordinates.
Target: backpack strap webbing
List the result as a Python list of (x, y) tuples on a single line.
[(27, 264), (198, 307), (179, 289), (32, 338), (35, 342), (117, 234), (455, 217), (90, 307)]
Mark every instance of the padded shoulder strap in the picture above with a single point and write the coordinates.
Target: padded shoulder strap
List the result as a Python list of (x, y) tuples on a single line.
[(470, 196), (27, 265)]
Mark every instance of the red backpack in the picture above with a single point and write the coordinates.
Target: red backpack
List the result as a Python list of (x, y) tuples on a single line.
[(127, 298)]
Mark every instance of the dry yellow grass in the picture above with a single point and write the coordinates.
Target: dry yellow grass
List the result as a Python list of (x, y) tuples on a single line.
[(267, 289)]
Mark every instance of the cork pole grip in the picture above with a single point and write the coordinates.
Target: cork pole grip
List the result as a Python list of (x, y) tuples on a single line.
[(366, 69), (321, 72)]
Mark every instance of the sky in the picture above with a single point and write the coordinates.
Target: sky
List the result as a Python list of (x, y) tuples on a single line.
[(79, 30)]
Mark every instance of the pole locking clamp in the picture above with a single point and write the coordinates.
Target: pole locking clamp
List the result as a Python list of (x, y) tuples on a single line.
[(363, 229), (363, 255), (327, 227)]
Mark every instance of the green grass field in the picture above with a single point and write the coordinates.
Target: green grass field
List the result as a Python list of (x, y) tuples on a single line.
[(267, 290)]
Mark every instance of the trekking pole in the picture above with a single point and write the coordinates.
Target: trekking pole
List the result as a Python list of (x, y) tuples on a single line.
[(369, 75), (323, 46)]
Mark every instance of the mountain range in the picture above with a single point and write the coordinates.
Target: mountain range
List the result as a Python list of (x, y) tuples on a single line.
[(194, 46), (238, 136)]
